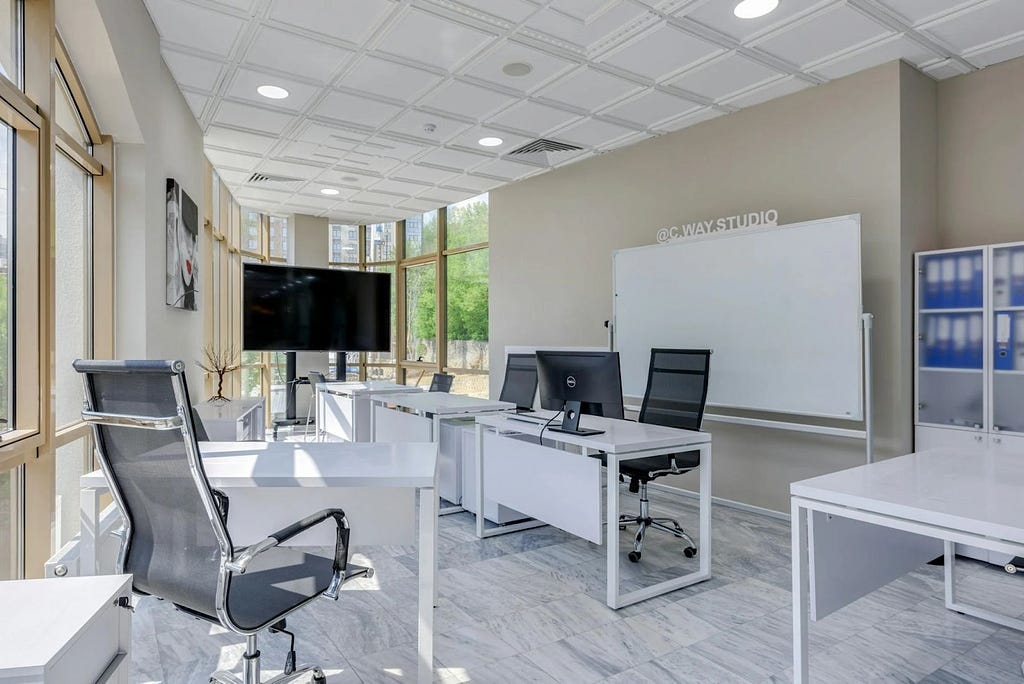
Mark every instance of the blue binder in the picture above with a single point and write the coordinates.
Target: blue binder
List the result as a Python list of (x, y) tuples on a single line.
[(978, 284), (943, 342), (948, 288), (932, 282), (975, 341), (964, 281), (1017, 277), (931, 341), (959, 355), (1003, 357)]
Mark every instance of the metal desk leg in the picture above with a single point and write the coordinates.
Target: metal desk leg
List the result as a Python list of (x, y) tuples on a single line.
[(89, 505), (705, 509), (427, 597), (612, 530), (479, 480), (801, 594), (949, 570), (373, 419)]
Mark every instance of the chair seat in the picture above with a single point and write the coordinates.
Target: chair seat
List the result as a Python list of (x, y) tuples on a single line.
[(642, 468), (276, 582)]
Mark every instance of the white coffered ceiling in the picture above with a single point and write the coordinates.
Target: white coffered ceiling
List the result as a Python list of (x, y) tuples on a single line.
[(389, 97)]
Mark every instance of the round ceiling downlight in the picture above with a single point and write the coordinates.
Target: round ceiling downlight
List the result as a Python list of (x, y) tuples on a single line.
[(329, 191), (752, 9), (517, 69), (272, 91), (490, 141)]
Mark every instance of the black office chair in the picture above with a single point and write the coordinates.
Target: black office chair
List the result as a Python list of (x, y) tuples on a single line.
[(315, 378), (200, 429), (175, 541), (520, 384), (677, 389), (441, 382)]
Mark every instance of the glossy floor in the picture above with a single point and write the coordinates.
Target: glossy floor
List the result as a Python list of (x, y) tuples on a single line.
[(528, 607)]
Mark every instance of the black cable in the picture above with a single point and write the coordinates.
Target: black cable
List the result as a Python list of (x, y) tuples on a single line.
[(540, 437)]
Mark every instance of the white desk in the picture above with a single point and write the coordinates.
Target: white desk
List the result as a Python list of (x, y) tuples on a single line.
[(343, 408), (569, 495), (65, 630), (273, 484), (419, 417), (856, 530)]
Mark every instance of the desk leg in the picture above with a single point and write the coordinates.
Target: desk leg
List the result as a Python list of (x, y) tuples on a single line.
[(89, 506), (705, 509), (801, 594), (949, 570), (612, 530), (427, 582), (373, 419), (479, 481)]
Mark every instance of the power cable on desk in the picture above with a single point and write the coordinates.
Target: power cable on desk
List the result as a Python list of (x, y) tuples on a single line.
[(540, 437)]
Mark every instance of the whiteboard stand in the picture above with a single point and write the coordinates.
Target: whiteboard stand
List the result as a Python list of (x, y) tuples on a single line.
[(866, 320)]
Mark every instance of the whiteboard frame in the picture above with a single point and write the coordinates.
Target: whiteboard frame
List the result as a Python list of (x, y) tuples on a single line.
[(862, 410)]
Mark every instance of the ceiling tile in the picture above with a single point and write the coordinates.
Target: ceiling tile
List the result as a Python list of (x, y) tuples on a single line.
[(349, 20), (423, 174), (346, 178), (474, 183), (887, 50), (534, 118), (454, 159), (245, 82), (503, 168), (355, 109), (196, 102), (232, 176), (382, 199), (370, 162), (311, 152), (615, 19), (822, 35), (691, 119), (250, 116), (724, 76), (545, 66), (513, 11), (771, 90), (719, 16), (442, 196), (652, 107), (389, 147), (413, 122), (916, 11), (662, 52), (295, 54), (333, 136), (467, 100), (624, 142), (198, 27), (191, 71), (947, 68), (389, 79), (399, 187), (593, 133), (588, 88), (427, 38), (470, 140), (584, 10), (227, 138), (1000, 52), (290, 169), (311, 191), (417, 205), (985, 23)]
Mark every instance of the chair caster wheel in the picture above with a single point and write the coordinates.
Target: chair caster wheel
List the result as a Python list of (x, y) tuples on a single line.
[(690, 551), (1010, 568), (319, 680), (622, 528), (634, 556)]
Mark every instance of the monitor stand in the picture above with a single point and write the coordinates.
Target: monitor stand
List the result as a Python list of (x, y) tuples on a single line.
[(571, 421)]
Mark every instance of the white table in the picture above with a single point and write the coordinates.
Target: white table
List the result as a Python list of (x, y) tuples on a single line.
[(563, 488), (273, 484), (343, 408), (237, 420), (419, 417), (66, 630), (856, 530)]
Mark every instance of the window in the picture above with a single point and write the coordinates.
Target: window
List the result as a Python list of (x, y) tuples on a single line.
[(421, 313), (344, 244), (279, 238), (467, 222), (11, 40), (421, 235), (386, 356), (252, 235), (67, 116), (6, 278), (380, 242), (10, 523), (467, 310)]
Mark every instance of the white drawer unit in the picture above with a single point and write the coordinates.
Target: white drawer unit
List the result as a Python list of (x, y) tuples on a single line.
[(69, 629), (237, 420)]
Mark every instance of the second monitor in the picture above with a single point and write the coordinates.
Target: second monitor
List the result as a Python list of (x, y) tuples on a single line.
[(580, 382)]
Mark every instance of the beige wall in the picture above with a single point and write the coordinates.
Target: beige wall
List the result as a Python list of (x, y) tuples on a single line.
[(830, 150), (981, 156)]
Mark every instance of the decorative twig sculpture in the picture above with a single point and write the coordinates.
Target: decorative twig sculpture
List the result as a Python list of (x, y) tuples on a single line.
[(221, 362)]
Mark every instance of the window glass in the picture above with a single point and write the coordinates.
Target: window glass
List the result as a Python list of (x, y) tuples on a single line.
[(421, 313), (73, 461), (10, 522), (380, 242), (215, 200), (279, 237), (10, 40), (467, 309), (388, 356), (380, 373), (421, 234), (66, 114), (252, 374), (6, 273), (467, 222), (251, 241), (344, 244), (73, 283), (470, 384)]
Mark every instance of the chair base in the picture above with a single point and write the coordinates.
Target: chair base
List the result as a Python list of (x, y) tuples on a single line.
[(251, 668), (644, 522)]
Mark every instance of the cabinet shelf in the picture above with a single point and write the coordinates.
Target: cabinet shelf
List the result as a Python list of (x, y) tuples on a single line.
[(1008, 308), (966, 309), (940, 369), (1008, 372)]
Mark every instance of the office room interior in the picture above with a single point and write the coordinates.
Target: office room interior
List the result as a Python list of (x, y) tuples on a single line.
[(511, 341)]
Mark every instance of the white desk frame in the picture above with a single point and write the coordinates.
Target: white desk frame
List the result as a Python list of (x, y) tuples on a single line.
[(311, 465), (872, 494), (436, 407), (649, 440), (360, 409)]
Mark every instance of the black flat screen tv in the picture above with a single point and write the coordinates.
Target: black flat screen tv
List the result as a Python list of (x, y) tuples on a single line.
[(287, 308)]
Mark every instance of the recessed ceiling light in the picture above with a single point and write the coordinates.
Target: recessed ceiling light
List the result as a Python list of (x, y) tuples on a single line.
[(329, 191), (490, 141), (272, 91), (517, 69), (752, 9)]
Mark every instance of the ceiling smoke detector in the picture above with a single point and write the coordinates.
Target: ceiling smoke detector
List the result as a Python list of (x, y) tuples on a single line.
[(517, 69), (429, 128)]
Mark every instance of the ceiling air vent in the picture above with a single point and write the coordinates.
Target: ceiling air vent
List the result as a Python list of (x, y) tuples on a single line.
[(542, 151), (264, 178)]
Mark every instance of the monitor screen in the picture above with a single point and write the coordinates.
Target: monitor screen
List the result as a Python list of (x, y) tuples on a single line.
[(287, 308), (591, 378)]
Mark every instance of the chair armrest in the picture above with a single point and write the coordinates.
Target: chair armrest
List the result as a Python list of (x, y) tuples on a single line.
[(241, 561)]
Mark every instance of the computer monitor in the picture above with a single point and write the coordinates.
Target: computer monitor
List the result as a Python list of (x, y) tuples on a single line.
[(578, 382)]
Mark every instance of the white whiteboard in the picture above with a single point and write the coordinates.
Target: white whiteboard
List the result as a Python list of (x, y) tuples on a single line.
[(780, 308)]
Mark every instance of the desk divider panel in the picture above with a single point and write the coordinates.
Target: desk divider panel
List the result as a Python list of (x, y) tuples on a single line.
[(337, 416), (398, 426), (561, 488), (850, 558)]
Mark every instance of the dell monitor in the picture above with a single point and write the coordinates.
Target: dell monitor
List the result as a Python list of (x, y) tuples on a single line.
[(575, 382)]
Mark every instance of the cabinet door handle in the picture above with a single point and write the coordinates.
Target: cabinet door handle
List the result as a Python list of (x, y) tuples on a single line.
[(997, 440), (977, 438)]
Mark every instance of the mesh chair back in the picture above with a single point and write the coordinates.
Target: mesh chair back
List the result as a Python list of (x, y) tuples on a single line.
[(315, 378), (441, 382), (175, 541), (520, 385), (677, 388)]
